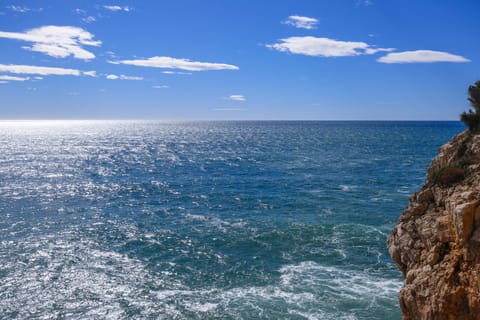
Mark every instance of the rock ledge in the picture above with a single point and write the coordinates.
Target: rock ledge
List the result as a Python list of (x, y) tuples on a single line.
[(436, 242)]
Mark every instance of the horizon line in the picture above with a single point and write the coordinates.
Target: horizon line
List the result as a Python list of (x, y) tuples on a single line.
[(244, 120)]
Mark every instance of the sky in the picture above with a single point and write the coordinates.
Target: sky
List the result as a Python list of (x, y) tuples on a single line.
[(238, 59)]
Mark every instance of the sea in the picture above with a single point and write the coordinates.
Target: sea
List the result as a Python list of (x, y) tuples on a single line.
[(206, 220)]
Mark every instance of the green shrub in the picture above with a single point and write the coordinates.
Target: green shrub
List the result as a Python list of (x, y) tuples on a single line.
[(474, 96), (472, 118), (450, 175)]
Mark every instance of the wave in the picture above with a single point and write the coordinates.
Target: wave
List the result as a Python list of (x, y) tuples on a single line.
[(59, 276)]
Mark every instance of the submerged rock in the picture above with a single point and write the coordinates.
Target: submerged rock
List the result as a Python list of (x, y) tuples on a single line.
[(436, 242)]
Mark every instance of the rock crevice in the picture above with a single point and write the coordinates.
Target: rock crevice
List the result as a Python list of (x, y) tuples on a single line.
[(436, 242)]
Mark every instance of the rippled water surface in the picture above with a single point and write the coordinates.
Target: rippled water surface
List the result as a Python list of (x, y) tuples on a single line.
[(205, 220)]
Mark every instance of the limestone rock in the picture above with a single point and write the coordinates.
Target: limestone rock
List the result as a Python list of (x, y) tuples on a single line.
[(436, 242)]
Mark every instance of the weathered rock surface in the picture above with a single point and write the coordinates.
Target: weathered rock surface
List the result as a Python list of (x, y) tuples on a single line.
[(436, 242)]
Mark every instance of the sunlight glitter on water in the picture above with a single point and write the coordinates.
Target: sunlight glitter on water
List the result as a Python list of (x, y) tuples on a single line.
[(201, 220)]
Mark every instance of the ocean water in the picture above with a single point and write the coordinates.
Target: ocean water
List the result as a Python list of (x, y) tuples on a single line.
[(205, 220)]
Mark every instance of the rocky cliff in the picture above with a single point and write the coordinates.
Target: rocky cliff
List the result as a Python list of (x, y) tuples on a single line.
[(436, 242)]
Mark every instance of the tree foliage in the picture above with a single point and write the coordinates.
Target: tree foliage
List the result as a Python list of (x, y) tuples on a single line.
[(474, 96), (472, 118)]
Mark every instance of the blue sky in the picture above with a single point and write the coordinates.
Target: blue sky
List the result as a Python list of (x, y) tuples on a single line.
[(225, 59)]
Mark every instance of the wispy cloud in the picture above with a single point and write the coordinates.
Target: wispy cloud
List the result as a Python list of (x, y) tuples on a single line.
[(301, 22), (43, 71), (366, 3), (89, 19), (174, 63), (161, 87), (421, 56), (13, 78), (117, 8), (122, 77), (176, 72), (57, 41), (90, 73), (21, 9), (85, 17), (324, 47), (237, 97)]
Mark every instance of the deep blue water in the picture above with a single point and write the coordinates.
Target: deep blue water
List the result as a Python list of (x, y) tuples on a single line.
[(206, 220)]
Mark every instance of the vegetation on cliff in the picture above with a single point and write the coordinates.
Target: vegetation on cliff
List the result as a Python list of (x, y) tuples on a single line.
[(436, 241), (472, 118)]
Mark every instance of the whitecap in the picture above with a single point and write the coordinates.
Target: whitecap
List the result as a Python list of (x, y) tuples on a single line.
[(347, 188), (197, 217), (348, 283)]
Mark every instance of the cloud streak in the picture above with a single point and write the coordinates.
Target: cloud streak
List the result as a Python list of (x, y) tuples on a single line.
[(89, 19), (328, 48), (117, 8), (237, 97), (301, 22), (43, 71), (324, 47), (21, 9), (174, 63), (57, 41), (122, 77), (421, 56), (13, 78), (177, 72)]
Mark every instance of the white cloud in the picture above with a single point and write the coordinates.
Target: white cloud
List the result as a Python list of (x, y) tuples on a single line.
[(89, 19), (111, 54), (176, 72), (421, 56), (375, 50), (57, 41), (85, 17), (90, 73), (43, 71), (21, 9), (324, 47), (122, 77), (174, 63), (237, 97), (117, 8), (13, 78), (365, 3), (301, 22), (161, 87)]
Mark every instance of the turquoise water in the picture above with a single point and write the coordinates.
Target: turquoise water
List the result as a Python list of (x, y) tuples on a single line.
[(205, 220)]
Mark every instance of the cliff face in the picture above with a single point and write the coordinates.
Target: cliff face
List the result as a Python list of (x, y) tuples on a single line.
[(436, 242)]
